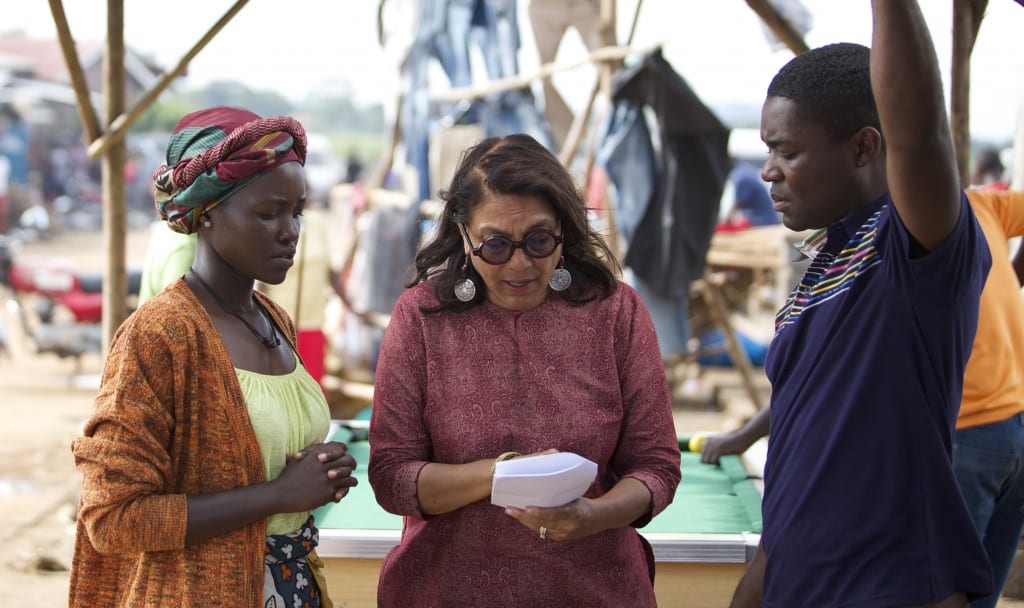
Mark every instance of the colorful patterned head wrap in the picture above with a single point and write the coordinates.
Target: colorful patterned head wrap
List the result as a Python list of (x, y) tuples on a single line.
[(216, 152)]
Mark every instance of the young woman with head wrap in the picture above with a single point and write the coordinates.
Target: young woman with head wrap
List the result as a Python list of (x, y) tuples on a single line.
[(202, 458)]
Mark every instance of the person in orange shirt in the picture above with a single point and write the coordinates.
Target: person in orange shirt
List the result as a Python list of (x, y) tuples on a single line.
[(988, 447)]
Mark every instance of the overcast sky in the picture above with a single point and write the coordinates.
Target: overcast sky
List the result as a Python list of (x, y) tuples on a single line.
[(718, 46)]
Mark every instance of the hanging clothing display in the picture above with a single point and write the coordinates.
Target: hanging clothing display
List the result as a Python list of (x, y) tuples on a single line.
[(666, 156), (445, 32)]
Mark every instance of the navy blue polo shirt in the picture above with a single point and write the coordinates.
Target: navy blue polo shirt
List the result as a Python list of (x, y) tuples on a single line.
[(861, 508)]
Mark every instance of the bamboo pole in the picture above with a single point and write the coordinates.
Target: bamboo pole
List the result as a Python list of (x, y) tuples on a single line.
[(380, 172), (710, 290), (115, 289), (779, 26), (580, 121), (607, 213), (86, 113), (124, 120), (967, 16), (608, 53), (607, 32)]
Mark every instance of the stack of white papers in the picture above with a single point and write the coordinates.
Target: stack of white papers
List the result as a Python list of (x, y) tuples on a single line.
[(549, 480)]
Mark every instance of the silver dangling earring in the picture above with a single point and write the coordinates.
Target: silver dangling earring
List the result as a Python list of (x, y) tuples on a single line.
[(207, 224), (560, 278), (465, 288)]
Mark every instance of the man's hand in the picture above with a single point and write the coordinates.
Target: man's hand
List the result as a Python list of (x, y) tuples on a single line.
[(737, 441), (716, 446)]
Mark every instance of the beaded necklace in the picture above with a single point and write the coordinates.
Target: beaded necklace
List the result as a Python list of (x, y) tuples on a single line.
[(272, 341)]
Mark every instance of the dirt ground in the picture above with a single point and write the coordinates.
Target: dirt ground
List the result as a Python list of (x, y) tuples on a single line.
[(43, 403)]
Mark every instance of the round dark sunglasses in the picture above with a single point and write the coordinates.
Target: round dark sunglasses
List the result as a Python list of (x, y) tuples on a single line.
[(497, 249)]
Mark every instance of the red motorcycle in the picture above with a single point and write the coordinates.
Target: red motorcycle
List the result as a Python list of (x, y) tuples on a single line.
[(58, 306)]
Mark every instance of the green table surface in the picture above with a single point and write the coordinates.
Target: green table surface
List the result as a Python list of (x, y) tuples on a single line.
[(711, 499)]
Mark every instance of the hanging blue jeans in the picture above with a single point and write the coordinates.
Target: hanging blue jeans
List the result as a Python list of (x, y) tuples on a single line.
[(497, 35), (441, 35), (514, 111), (627, 156), (988, 461), (670, 315), (445, 32)]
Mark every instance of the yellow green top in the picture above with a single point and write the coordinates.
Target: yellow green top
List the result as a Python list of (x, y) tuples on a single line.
[(288, 412)]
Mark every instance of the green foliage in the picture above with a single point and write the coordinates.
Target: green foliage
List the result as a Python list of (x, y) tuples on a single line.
[(162, 116), (337, 113)]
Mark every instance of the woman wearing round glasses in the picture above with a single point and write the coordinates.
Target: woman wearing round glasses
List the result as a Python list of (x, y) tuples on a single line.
[(516, 338)]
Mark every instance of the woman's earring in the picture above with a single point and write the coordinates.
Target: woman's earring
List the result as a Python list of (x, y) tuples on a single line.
[(560, 278), (207, 224), (465, 288)]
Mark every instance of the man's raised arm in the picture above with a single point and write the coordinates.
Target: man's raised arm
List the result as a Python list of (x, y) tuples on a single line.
[(921, 164)]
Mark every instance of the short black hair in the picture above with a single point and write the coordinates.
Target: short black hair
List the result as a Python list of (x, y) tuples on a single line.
[(989, 161), (831, 86)]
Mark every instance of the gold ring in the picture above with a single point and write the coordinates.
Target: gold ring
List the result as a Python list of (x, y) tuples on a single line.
[(543, 532)]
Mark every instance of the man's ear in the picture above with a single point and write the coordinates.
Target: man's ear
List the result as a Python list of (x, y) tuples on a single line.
[(868, 146)]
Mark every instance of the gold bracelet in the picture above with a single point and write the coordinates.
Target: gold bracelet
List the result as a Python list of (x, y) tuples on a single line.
[(502, 456)]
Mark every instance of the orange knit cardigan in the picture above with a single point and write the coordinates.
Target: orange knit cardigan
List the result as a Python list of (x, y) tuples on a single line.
[(169, 420)]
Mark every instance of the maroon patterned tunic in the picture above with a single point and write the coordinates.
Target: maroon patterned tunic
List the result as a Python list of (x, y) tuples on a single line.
[(458, 387)]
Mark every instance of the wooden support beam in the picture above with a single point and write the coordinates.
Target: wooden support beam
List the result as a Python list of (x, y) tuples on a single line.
[(967, 16), (580, 121), (606, 30), (779, 26), (86, 113), (380, 173), (115, 285), (608, 53), (710, 290), (123, 121), (603, 81), (607, 33)]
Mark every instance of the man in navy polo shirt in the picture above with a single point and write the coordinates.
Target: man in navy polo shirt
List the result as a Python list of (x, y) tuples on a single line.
[(861, 508)]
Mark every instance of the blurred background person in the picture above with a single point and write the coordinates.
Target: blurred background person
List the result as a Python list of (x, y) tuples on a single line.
[(989, 171), (169, 255), (747, 201)]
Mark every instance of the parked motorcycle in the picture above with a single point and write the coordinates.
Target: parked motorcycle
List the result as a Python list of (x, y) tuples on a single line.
[(58, 306)]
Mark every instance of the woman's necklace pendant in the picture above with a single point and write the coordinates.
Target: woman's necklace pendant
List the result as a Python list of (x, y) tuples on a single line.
[(271, 341)]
